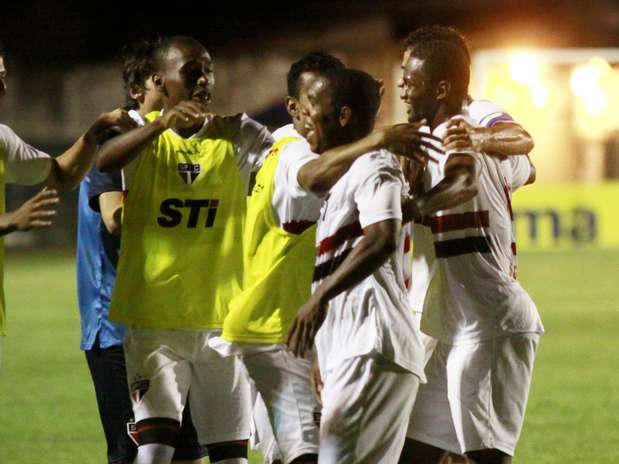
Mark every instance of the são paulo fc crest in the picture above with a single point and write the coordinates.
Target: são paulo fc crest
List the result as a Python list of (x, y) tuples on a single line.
[(188, 172)]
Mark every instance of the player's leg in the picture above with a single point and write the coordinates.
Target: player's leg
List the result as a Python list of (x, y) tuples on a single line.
[(499, 376), (221, 404), (159, 373), (263, 438), (188, 449), (284, 383), (431, 432), (109, 376), (366, 407)]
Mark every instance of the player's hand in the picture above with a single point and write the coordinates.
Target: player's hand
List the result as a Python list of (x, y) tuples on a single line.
[(409, 141), (459, 137), (306, 325), (36, 213), (185, 115), (109, 124)]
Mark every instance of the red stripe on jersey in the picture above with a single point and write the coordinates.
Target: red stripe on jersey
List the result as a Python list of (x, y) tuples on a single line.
[(297, 227), (407, 244), (407, 283), (514, 250), (470, 220), (332, 242), (506, 189)]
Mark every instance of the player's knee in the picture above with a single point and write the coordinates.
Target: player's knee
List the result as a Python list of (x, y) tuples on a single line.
[(156, 430), (228, 452), (417, 452), (488, 456)]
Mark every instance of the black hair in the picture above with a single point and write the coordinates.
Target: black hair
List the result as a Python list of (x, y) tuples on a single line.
[(138, 66), (445, 53), (313, 61), (160, 53), (2, 49), (357, 90)]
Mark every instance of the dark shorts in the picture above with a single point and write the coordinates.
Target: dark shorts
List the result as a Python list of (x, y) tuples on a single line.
[(109, 375)]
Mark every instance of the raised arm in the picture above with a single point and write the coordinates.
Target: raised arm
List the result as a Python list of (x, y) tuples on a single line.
[(379, 241), (119, 151), (319, 175), (502, 139), (70, 168)]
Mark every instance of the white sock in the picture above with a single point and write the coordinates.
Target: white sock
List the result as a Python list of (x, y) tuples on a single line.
[(154, 453)]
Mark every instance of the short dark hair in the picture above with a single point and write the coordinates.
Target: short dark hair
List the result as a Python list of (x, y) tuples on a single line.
[(445, 53), (313, 61), (2, 49), (160, 53), (138, 66), (357, 90)]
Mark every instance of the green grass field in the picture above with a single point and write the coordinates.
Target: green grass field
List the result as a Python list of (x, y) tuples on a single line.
[(47, 405)]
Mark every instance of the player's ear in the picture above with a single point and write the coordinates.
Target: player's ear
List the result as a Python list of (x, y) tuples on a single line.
[(137, 93), (292, 106), (345, 116), (158, 81), (442, 90)]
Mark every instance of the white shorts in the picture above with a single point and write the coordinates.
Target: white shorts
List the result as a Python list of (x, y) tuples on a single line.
[(262, 438), (476, 395), (162, 365), (283, 381), (367, 402)]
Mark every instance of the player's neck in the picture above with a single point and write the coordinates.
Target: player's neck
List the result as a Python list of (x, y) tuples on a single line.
[(446, 111)]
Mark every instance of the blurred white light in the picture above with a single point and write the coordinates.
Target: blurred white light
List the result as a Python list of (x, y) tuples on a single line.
[(596, 102), (539, 94), (524, 69), (584, 80)]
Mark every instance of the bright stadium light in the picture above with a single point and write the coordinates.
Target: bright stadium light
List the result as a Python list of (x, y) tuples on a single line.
[(584, 80), (539, 94), (524, 68), (596, 102)]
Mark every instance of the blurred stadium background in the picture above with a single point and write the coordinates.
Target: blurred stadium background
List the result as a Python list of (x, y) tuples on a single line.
[(554, 65)]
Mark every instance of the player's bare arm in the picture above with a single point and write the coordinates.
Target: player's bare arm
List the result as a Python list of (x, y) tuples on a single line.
[(319, 175), (379, 241), (70, 168), (119, 151), (36, 213), (460, 182), (501, 139), (111, 205)]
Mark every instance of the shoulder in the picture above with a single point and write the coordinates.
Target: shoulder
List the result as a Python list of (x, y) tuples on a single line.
[(374, 163), (486, 113)]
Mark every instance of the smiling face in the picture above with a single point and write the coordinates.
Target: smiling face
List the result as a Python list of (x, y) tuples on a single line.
[(417, 90), (293, 106), (320, 115), (186, 74)]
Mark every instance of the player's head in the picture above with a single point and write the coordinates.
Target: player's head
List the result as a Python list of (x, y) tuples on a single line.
[(2, 71), (301, 74), (138, 70), (435, 71), (183, 71), (338, 107)]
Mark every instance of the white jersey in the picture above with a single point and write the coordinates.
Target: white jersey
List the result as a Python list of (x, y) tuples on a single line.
[(473, 293), (294, 208), (23, 164), (373, 316), (484, 113)]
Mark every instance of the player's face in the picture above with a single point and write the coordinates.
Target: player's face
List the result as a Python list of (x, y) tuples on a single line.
[(416, 89), (306, 79), (187, 75), (320, 116), (153, 98), (2, 77)]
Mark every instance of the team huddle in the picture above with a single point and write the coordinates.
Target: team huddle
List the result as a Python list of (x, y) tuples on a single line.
[(330, 292)]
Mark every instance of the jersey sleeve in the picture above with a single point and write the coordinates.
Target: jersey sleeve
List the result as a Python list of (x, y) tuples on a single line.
[(252, 141), (294, 156), (24, 164), (486, 114), (103, 182), (521, 171), (378, 195)]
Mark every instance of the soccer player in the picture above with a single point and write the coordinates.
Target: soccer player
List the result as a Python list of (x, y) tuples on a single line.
[(486, 325), (181, 257), (369, 351), (22, 164), (98, 246), (279, 246)]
